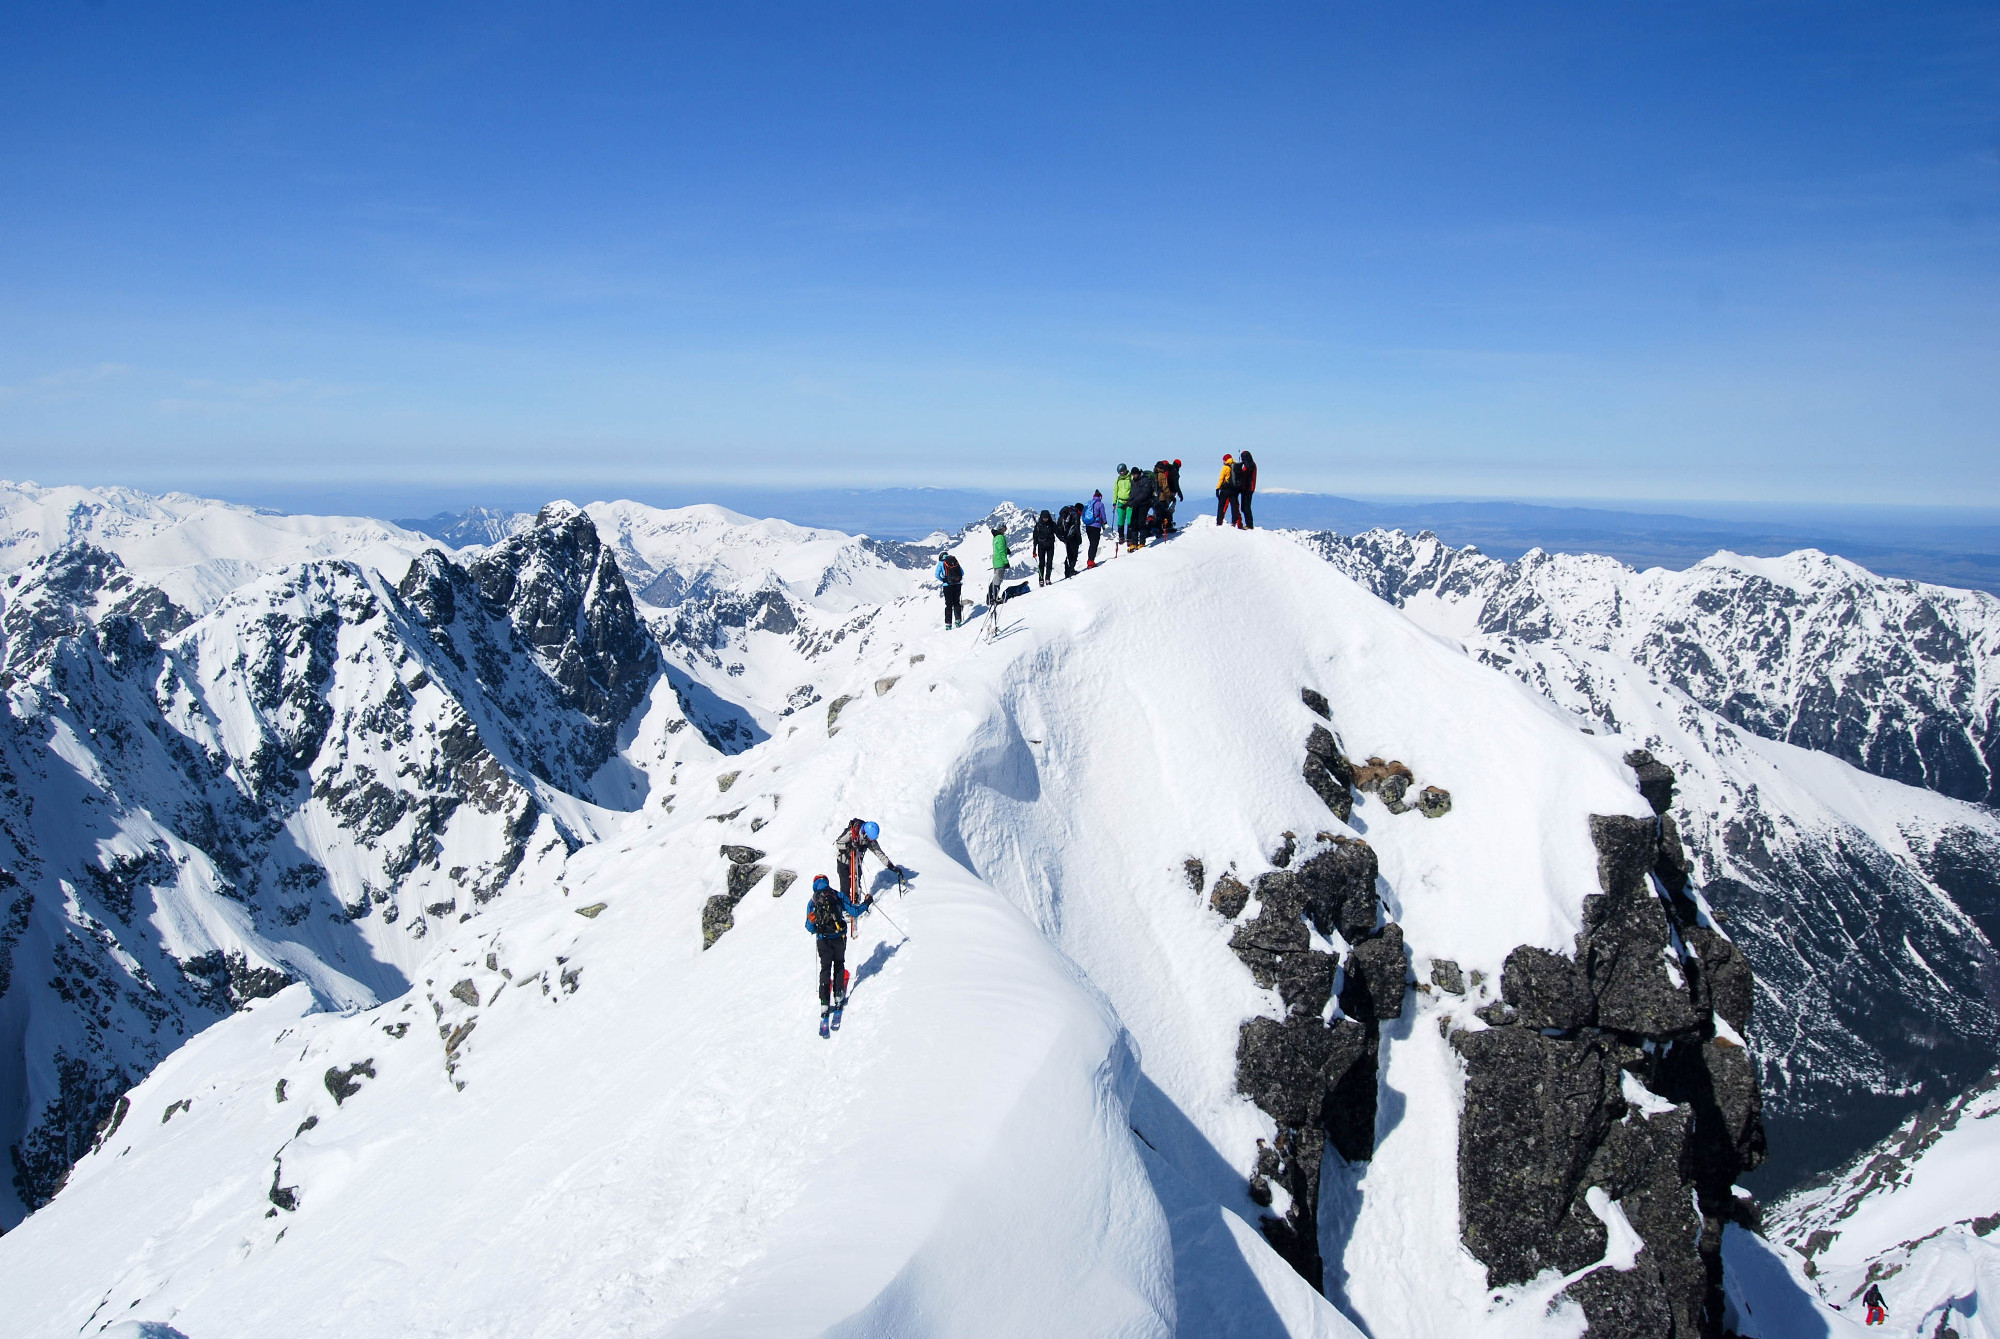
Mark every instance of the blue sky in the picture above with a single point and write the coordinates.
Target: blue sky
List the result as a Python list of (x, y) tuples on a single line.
[(1655, 251)]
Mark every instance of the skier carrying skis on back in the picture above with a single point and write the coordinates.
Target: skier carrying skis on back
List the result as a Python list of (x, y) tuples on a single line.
[(856, 840), (828, 917)]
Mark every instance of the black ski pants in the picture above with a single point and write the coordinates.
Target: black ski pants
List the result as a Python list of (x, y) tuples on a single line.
[(1069, 557), (1249, 522), (1045, 562), (832, 969), (1093, 533), (954, 608), (1225, 504)]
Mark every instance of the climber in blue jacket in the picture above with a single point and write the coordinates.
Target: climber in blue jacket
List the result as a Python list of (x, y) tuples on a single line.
[(827, 916)]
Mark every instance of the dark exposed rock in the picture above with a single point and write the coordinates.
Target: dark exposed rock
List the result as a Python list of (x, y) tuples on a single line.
[(284, 1197), (1329, 773), (1536, 1109), (1197, 875), (229, 979), (782, 880), (1336, 889), (1282, 857), (1329, 787), (466, 993), (1656, 779), (1433, 802), (1351, 1072), (1316, 701), (1546, 1116), (345, 1083), (562, 591), (1732, 990), (1229, 897), (718, 915), (1447, 977), (1377, 970), (833, 710), (1672, 867), (593, 911), (1625, 1304), (1626, 948), (1277, 949), (742, 878), (1282, 1066), (742, 855), (1546, 989)]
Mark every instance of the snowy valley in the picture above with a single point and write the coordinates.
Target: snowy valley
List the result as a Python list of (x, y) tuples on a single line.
[(1303, 934)]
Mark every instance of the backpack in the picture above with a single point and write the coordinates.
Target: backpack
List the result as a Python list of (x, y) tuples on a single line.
[(953, 573), (824, 915), (1237, 475)]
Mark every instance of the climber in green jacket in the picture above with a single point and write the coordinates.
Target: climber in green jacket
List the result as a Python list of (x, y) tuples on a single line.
[(1001, 558)]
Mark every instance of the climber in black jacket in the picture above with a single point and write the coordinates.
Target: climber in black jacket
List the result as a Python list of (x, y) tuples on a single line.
[(1143, 486), (1045, 546)]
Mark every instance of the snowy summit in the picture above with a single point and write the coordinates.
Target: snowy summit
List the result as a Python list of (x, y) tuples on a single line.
[(410, 940)]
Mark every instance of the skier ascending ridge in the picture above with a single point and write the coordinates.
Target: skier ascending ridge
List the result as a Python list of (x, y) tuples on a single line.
[(1045, 546), (856, 840), (828, 918), (1121, 503)]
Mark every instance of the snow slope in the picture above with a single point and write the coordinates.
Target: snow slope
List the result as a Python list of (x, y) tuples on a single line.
[(1029, 1123), (1866, 905), (298, 785), (1917, 1215), (194, 549)]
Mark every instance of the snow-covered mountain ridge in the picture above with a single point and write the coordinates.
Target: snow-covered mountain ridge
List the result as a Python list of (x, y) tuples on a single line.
[(1092, 1088), (1869, 908), (298, 783), (1896, 677)]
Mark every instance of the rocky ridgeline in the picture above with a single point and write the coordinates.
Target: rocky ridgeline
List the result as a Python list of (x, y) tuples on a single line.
[(1314, 1078), (1618, 1070), (196, 812), (1896, 677), (1616, 1074)]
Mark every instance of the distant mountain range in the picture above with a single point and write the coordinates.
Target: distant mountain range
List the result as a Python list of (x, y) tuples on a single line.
[(1947, 548)]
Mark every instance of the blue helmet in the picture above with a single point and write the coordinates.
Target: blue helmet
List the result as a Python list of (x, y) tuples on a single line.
[(870, 831), (820, 884)]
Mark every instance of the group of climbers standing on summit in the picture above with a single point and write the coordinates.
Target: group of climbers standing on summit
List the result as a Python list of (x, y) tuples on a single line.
[(1143, 500), (1141, 510)]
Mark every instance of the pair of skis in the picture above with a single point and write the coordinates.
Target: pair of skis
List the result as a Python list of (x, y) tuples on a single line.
[(832, 1015)]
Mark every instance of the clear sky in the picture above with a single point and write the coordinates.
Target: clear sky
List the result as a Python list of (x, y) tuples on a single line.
[(1673, 251)]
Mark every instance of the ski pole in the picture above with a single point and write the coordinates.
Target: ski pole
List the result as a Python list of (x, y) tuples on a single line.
[(898, 929)]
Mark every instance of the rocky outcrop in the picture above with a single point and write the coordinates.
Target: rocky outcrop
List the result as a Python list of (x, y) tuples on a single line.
[(1602, 1079), (1329, 773), (1315, 1079)]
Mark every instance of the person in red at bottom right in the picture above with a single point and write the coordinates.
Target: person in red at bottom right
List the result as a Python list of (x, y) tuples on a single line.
[(1247, 466), (1877, 1311)]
